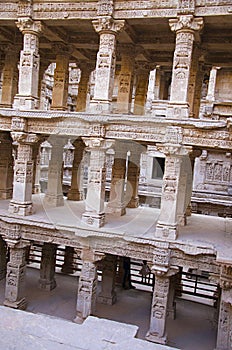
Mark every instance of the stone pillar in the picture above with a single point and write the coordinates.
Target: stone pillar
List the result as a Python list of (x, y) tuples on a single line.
[(160, 302), (108, 294), (185, 27), (125, 80), (198, 89), (212, 84), (174, 190), (10, 77), (3, 262), (6, 166), (87, 286), (192, 78), (157, 331), (171, 311), (36, 169), (67, 266), (224, 339), (116, 204), (54, 194), (142, 77), (27, 97), (107, 28), (47, 267), (94, 205), (76, 192), (21, 202), (61, 77), (15, 277), (133, 171), (86, 70), (44, 63)]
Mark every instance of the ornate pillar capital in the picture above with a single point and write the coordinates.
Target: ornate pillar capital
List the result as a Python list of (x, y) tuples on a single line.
[(108, 25), (24, 138), (186, 23), (88, 254), (97, 143), (28, 26)]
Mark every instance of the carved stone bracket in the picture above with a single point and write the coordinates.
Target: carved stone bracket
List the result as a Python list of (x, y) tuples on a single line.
[(186, 22), (108, 25), (22, 137), (27, 25)]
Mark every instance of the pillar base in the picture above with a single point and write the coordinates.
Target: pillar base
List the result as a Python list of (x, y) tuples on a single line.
[(178, 110), (114, 210), (79, 320), (6, 193), (107, 300), (36, 189), (47, 285), (133, 203), (166, 231), (93, 219), (20, 304), (25, 102), (75, 195), (98, 106), (23, 209), (156, 339), (55, 201)]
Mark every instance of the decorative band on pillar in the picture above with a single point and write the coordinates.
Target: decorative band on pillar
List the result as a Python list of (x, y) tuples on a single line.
[(21, 202), (107, 28), (186, 28)]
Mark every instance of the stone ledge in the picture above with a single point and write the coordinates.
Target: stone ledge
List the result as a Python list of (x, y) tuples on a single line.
[(22, 330)]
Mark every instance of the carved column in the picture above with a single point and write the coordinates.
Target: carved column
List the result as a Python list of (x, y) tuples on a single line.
[(61, 77), (54, 194), (212, 84), (76, 192), (174, 190), (87, 286), (86, 70), (160, 300), (142, 77), (47, 267), (6, 166), (67, 266), (21, 202), (44, 64), (185, 27), (27, 97), (107, 28), (3, 262), (224, 338), (117, 203), (36, 169), (15, 277), (108, 294), (10, 76), (94, 204), (125, 80), (133, 171)]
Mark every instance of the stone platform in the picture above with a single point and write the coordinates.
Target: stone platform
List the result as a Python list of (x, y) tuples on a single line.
[(22, 330)]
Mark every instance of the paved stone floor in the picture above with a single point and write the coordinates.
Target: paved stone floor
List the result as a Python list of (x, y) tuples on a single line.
[(193, 328)]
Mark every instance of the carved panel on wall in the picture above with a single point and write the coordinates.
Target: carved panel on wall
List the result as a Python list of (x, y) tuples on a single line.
[(217, 172)]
